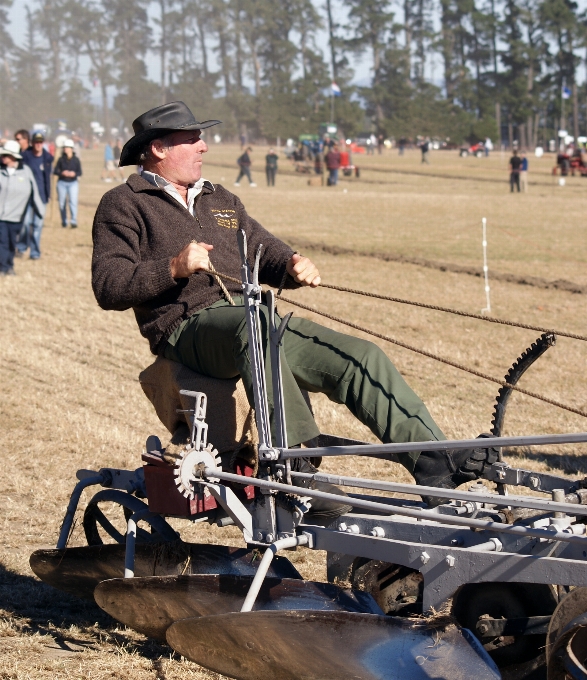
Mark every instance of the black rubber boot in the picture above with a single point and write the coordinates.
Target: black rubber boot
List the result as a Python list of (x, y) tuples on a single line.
[(448, 469), (322, 511)]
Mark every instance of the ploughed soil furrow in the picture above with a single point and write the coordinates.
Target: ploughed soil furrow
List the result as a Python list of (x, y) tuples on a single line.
[(536, 281)]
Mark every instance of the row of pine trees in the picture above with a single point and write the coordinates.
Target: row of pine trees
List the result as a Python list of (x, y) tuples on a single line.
[(462, 69)]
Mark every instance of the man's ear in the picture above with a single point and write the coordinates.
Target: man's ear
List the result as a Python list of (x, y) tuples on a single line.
[(158, 149)]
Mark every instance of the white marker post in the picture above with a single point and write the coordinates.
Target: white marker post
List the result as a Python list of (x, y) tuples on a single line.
[(485, 267)]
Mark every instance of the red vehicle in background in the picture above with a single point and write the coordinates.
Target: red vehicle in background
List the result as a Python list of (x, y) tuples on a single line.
[(575, 162), (346, 164), (355, 147), (477, 150)]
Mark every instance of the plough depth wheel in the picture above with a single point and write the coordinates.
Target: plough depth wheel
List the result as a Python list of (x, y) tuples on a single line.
[(94, 517)]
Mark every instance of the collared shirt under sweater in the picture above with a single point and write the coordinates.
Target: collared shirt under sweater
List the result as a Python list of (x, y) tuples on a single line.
[(139, 227)]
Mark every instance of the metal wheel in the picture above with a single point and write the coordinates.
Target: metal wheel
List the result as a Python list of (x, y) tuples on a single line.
[(476, 601), (95, 519), (566, 649)]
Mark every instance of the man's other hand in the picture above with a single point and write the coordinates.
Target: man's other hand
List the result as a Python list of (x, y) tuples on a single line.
[(193, 258), (303, 270)]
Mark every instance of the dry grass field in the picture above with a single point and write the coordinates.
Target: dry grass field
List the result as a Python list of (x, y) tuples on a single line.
[(68, 372)]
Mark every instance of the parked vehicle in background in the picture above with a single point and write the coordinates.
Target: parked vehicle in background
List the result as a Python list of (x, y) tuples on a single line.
[(575, 161), (477, 150)]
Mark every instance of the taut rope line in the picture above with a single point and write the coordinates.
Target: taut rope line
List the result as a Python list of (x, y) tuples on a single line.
[(481, 317), (424, 353)]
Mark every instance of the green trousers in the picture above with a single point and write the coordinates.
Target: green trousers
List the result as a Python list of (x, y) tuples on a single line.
[(347, 370)]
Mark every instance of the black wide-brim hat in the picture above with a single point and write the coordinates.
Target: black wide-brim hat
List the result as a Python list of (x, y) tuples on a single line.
[(158, 122)]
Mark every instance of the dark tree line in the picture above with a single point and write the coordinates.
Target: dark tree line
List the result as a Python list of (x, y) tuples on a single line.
[(257, 65)]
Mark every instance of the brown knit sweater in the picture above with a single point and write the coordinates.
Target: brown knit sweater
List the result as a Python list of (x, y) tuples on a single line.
[(139, 228)]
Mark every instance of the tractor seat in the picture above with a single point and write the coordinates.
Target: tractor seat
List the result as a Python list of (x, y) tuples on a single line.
[(231, 422)]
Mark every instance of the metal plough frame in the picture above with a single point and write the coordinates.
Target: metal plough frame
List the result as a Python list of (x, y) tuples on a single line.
[(449, 545), (471, 538)]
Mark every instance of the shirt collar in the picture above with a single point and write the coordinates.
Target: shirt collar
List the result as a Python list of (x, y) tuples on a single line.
[(160, 182)]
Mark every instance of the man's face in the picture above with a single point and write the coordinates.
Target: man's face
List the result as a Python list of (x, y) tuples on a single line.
[(38, 147), (182, 162), (23, 141)]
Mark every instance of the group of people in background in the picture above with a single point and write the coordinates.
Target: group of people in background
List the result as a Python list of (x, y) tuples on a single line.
[(26, 165), (244, 163), (332, 159)]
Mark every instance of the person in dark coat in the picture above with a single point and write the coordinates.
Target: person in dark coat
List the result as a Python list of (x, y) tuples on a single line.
[(68, 169), (271, 167), (155, 238), (515, 165), (244, 163), (39, 160)]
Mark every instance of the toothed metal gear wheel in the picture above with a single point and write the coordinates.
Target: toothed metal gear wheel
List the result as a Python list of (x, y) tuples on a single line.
[(185, 470)]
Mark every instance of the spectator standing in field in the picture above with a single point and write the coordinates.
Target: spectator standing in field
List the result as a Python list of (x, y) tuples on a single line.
[(39, 160), (425, 148), (401, 145), (317, 147), (488, 145), (524, 173), (24, 139), (17, 188), (68, 169), (108, 172), (515, 165), (271, 167), (380, 144), (244, 163), (333, 165)]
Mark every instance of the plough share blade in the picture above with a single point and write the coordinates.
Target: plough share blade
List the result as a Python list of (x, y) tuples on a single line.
[(150, 605), (317, 645), (78, 571)]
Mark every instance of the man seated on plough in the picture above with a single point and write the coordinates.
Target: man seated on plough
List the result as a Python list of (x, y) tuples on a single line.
[(159, 238)]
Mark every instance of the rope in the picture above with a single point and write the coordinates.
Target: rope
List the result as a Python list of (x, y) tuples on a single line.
[(223, 288), (216, 275), (424, 353), (491, 319), (442, 360)]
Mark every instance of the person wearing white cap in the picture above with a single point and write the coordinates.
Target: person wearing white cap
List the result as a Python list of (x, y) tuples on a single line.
[(17, 185), (68, 169)]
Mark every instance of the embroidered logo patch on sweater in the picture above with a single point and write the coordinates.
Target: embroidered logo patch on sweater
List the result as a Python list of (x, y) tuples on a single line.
[(226, 218)]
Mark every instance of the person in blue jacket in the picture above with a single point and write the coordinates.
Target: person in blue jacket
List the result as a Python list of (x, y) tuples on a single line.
[(39, 160)]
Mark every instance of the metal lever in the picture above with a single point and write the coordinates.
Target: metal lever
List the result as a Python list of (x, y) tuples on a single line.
[(276, 337), (252, 297)]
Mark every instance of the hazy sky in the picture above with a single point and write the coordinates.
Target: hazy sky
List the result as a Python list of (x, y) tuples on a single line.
[(17, 28), (361, 66)]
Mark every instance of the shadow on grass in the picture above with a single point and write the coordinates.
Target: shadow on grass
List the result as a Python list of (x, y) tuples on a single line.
[(38, 608), (574, 465)]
